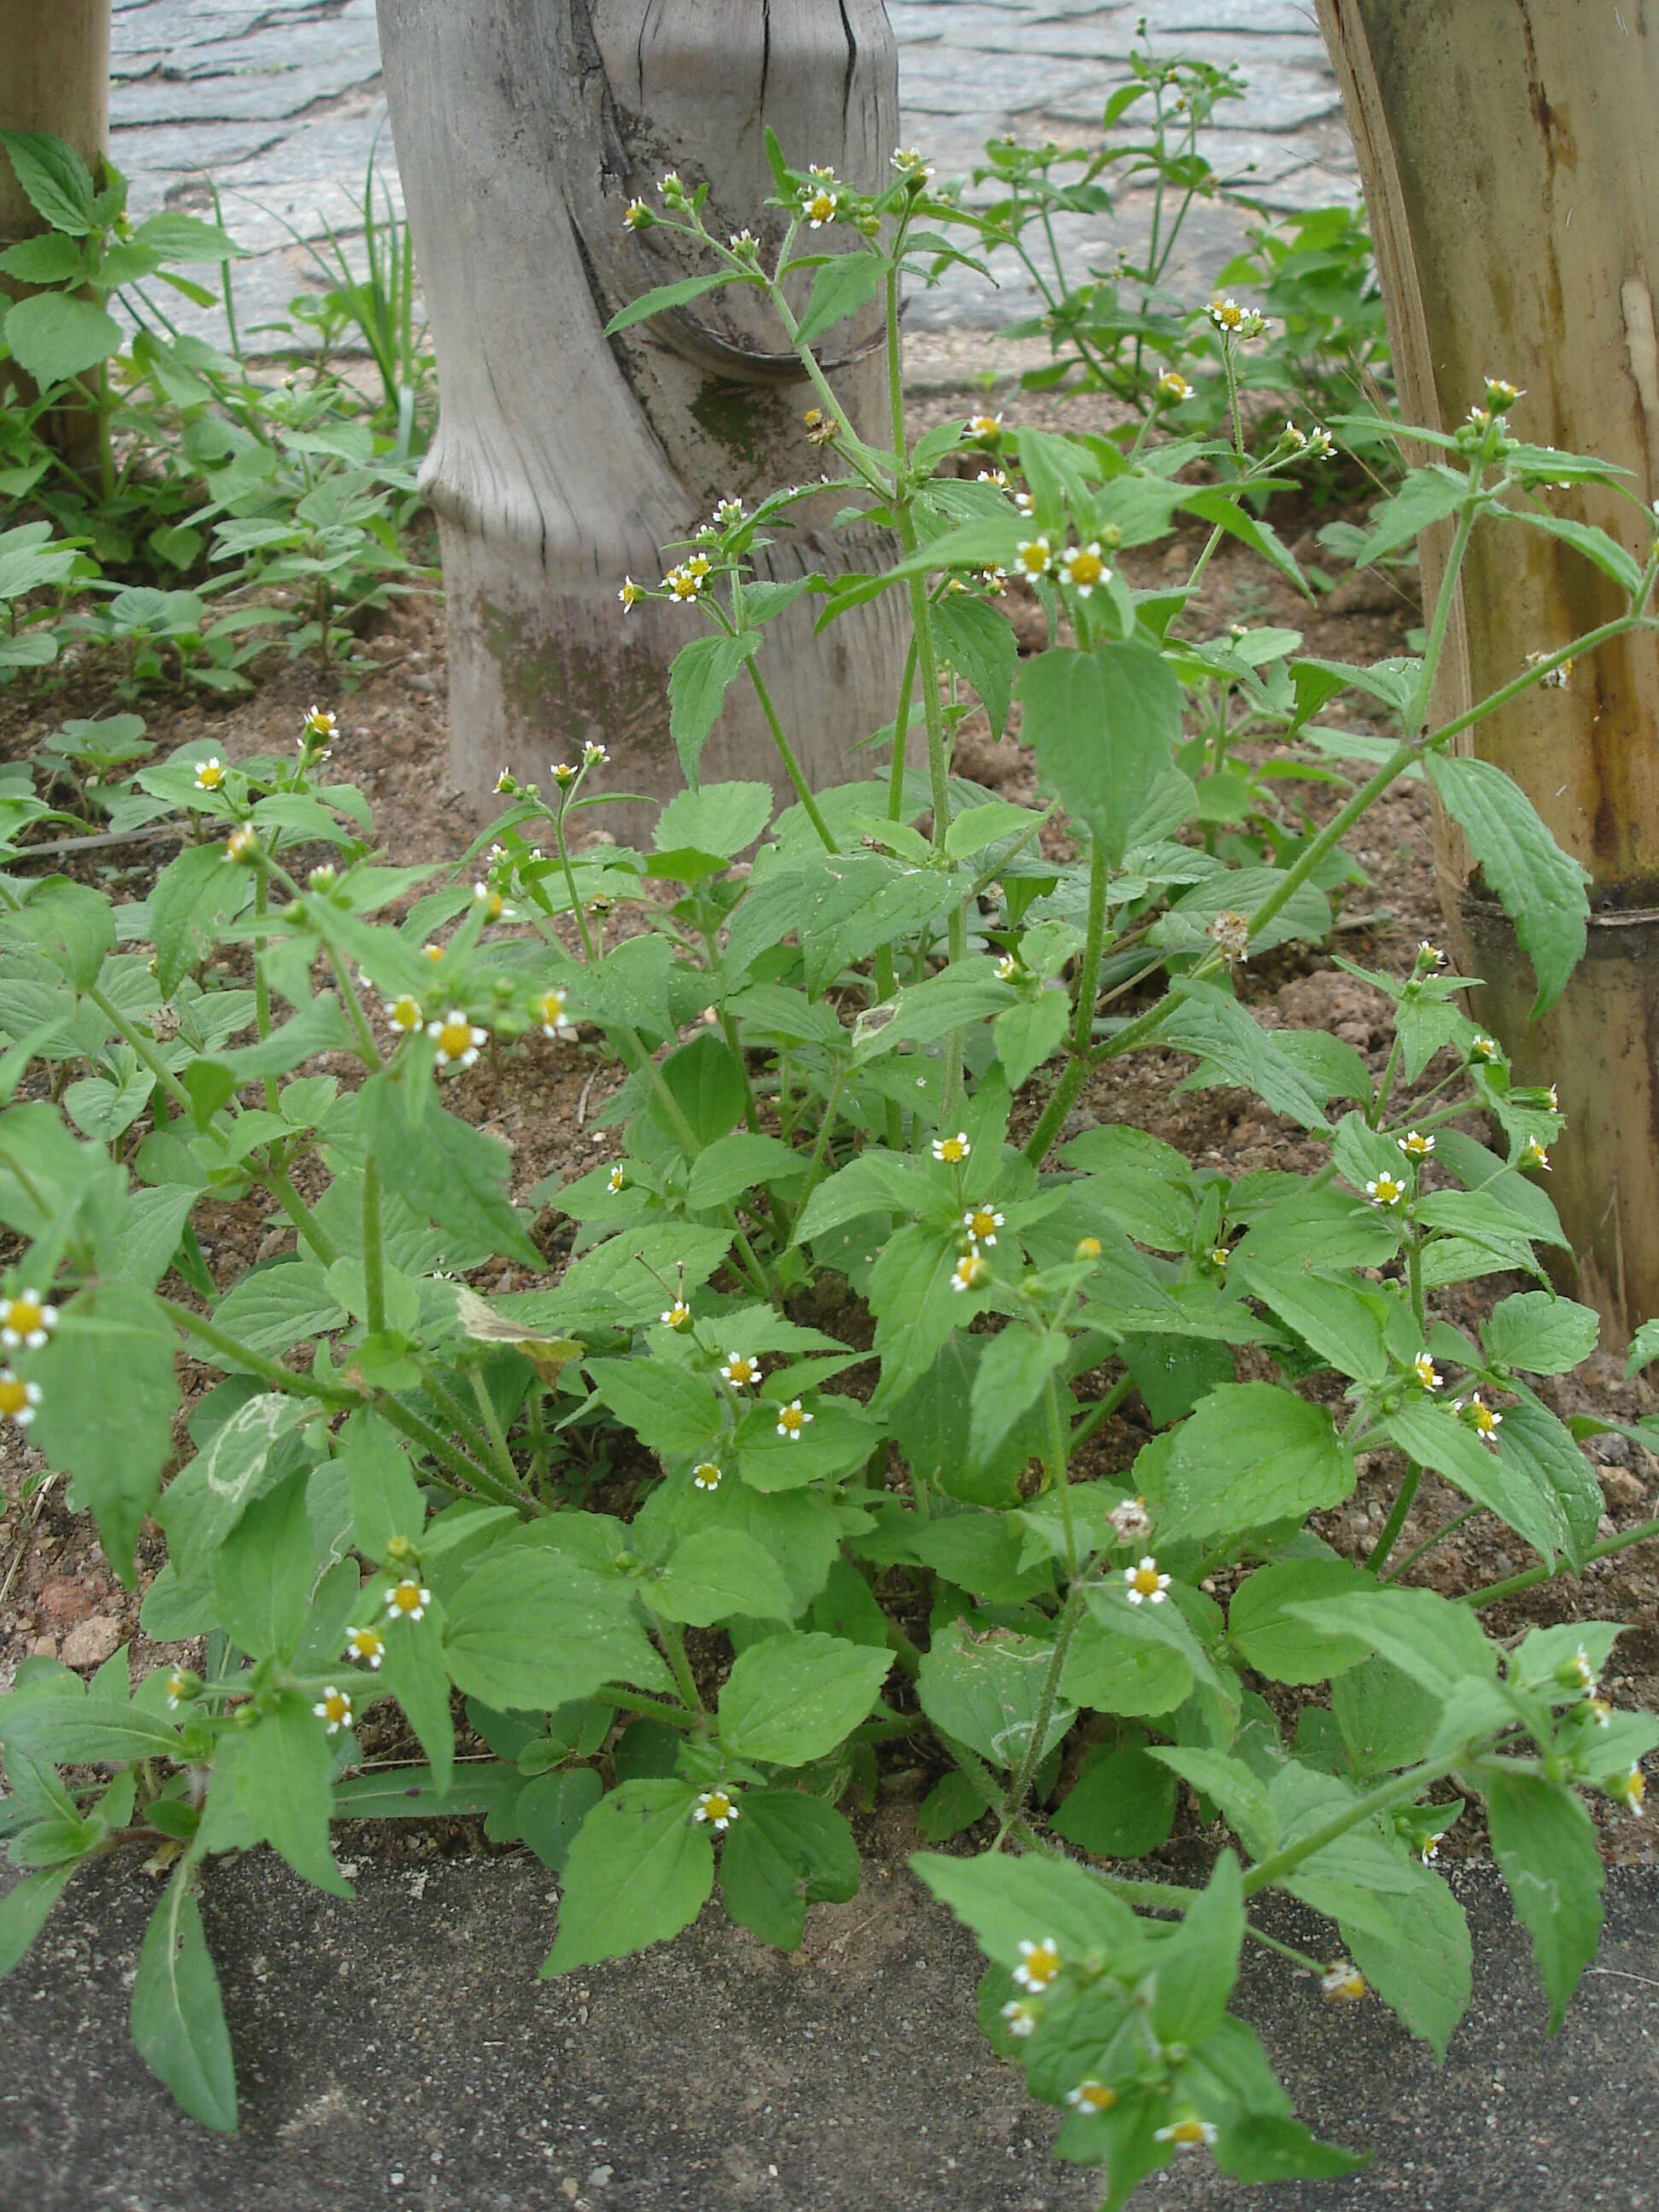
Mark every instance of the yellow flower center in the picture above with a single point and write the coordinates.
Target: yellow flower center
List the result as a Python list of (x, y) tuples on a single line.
[(820, 207), (22, 1314), (1034, 557), (406, 1597), (1093, 2096), (793, 1418), (982, 1223), (404, 1013), (707, 1476), (1084, 566), (336, 1708), (953, 1149), (13, 1396), (1187, 2131), (717, 1805), (1041, 1963), (210, 775), (454, 1038), (1145, 1579), (365, 1643)]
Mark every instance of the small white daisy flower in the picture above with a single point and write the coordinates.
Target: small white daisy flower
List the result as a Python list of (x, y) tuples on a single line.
[(334, 1709), (367, 1645), (969, 1271), (953, 1149), (719, 1807), (209, 773), (18, 1400), (1385, 1191), (706, 1475), (739, 1371), (1146, 1585), (456, 1039), (982, 1223), (791, 1420), (407, 1600), (1039, 1963), (26, 1320), (1415, 1145)]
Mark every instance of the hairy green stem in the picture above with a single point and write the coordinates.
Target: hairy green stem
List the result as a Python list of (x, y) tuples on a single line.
[(1378, 1556), (374, 1257), (1398, 1791), (276, 1376), (1642, 1534), (1013, 1804), (420, 1432), (493, 1429), (672, 1636), (787, 754)]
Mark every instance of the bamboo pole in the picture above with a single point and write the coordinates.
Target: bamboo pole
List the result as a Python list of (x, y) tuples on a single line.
[(54, 78), (1511, 171)]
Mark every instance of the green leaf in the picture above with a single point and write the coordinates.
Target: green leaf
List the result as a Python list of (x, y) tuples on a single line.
[(73, 925), (1542, 890), (1250, 1454), (1537, 1444), (67, 1730), (177, 2018), (275, 1308), (530, 1630), (1008, 1901), (1104, 725), (263, 1576), (50, 259), (110, 1331), (55, 180), (1544, 1335), (792, 1698), (662, 297), (639, 1870), (715, 1573), (1544, 1842), (1223, 512), (1263, 1626), (738, 1163), (24, 1908), (1117, 1672), (1199, 1964), (1607, 554), (1438, 1644), (1436, 1438), (670, 1411), (1427, 496), (275, 1776), (916, 1306), (840, 286), (720, 818), (1029, 1033), (55, 335), (1422, 1968), (1220, 1030), (1012, 1373), (1387, 1720), (1122, 1804), (551, 1810), (205, 1503), (698, 681), (707, 1086), (979, 642), (987, 1694), (443, 1168), (386, 1499), (1341, 1324), (184, 238), (191, 896), (413, 1669)]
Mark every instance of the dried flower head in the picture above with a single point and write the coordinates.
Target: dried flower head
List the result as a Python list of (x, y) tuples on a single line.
[(1130, 1522), (1230, 932)]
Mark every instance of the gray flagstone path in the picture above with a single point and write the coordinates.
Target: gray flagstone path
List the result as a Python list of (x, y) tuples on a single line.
[(279, 101)]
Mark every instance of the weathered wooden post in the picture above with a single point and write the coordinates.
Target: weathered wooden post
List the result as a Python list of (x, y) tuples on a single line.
[(1511, 169), (564, 460), (54, 78)]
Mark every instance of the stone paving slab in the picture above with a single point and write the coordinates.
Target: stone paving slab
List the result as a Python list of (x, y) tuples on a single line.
[(279, 101), (400, 2050)]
